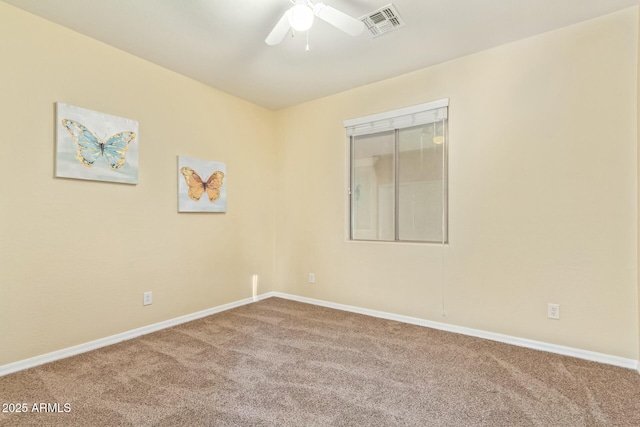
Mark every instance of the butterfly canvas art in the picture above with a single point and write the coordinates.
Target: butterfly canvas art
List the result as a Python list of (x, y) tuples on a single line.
[(201, 185), (95, 146)]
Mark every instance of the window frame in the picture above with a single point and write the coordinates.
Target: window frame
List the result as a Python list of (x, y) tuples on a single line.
[(405, 116)]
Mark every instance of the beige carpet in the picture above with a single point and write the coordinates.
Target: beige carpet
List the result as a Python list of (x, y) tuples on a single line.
[(284, 363)]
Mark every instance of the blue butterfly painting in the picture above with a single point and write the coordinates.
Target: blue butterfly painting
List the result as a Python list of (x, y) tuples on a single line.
[(90, 148)]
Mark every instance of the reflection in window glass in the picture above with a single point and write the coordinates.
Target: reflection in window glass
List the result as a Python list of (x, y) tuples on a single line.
[(372, 188), (420, 189)]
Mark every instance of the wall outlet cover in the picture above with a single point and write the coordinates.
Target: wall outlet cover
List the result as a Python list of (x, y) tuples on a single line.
[(553, 311)]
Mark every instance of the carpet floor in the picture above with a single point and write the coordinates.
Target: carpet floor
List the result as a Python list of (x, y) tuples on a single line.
[(284, 363)]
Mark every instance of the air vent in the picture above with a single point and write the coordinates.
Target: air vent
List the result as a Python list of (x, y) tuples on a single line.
[(383, 20)]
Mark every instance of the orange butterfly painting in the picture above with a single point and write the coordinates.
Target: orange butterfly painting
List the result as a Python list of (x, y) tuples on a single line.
[(192, 186), (197, 186)]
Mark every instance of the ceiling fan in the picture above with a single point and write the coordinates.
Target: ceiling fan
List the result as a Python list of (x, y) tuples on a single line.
[(300, 18)]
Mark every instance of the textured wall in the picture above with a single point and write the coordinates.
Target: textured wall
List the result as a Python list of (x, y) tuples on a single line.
[(76, 256), (542, 196)]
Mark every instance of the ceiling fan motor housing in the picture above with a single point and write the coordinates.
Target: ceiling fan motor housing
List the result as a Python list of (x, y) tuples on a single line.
[(301, 16)]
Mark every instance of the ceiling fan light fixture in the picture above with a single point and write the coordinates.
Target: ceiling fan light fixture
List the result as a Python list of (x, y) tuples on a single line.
[(301, 17)]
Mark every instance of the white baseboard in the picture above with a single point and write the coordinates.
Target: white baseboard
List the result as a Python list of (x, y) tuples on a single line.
[(520, 342), (114, 339)]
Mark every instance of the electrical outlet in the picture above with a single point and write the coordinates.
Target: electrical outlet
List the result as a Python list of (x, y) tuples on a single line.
[(312, 278), (147, 299), (553, 311)]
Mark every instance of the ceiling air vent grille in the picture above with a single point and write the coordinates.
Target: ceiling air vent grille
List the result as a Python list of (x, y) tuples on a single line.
[(383, 20)]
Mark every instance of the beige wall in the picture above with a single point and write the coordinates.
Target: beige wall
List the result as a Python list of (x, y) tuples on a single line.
[(542, 198), (76, 256)]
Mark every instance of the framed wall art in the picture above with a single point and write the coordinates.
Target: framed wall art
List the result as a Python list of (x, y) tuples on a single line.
[(201, 185), (95, 146)]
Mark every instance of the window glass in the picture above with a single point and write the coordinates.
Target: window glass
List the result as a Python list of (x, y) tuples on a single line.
[(372, 187), (420, 183)]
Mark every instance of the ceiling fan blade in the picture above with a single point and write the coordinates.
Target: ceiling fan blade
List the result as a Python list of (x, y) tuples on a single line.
[(340, 20), (279, 31)]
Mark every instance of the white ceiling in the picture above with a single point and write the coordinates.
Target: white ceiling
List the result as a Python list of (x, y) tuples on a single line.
[(221, 42)]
